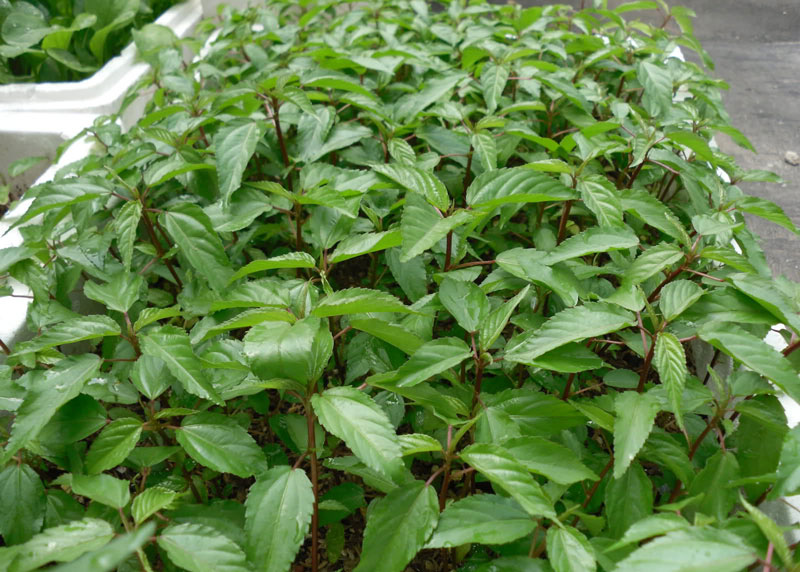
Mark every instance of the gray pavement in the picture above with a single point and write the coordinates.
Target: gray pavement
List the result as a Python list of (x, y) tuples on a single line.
[(755, 45)]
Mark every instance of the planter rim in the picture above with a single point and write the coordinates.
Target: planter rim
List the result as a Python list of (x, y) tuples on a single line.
[(104, 90)]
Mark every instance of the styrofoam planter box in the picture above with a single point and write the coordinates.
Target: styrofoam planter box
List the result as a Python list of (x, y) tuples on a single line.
[(36, 118)]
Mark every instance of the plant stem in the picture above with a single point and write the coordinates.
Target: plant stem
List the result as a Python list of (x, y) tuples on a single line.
[(132, 335), (672, 275), (298, 226), (786, 351), (467, 175), (449, 251), (160, 249), (471, 264), (312, 458), (277, 122), (562, 224), (5, 348), (570, 379)]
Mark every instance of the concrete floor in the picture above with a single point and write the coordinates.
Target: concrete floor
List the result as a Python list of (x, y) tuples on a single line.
[(756, 47)]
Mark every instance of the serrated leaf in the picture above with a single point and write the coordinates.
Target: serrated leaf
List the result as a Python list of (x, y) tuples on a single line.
[(493, 81), (465, 301), (570, 325), (677, 296), (397, 336), (549, 459), (150, 501), (113, 444), (568, 550), (290, 260), (201, 548), (494, 324), (593, 240), (504, 471), (418, 181), (62, 543), (652, 261), (515, 185), (651, 526), (149, 315), (669, 359), (363, 425), (657, 97), (102, 488), (711, 485), (485, 147), (234, 145), (628, 500), (767, 210), (250, 318), (636, 413), (412, 508), (358, 301), (219, 442), (46, 395), (64, 193), (74, 330), (109, 557), (126, 224), (653, 212), (22, 503), (361, 244), (481, 519), (422, 227), (119, 294), (414, 443), (279, 507), (707, 549), (297, 352), (772, 532), (401, 151), (193, 233), (603, 199), (432, 358), (527, 263), (171, 345), (753, 352)]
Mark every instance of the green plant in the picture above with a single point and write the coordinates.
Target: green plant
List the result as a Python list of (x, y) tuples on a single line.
[(379, 285), (67, 40)]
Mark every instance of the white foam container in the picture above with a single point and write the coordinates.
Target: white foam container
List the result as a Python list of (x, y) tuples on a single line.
[(36, 118)]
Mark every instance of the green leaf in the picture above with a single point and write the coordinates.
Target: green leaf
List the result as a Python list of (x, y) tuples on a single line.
[(362, 425), (358, 301), (766, 210), (763, 291), (536, 413), (593, 240), (22, 503), (119, 294), (422, 227), (527, 263), (657, 97), (465, 301), (171, 344), (149, 315), (20, 166), (570, 325), (651, 526), (201, 548), (718, 499), (113, 444), (126, 224), (219, 442), (74, 330), (234, 146), (401, 151), (571, 358), (481, 519), (47, 393), (628, 500), (652, 261), (414, 443), (63, 543), (549, 459), (418, 181), (707, 549), (677, 296), (432, 358), (361, 244), (485, 146), (102, 488), (517, 185), (64, 193), (411, 508), (636, 413), (603, 199), (649, 209), (112, 554), (290, 260), (150, 501), (694, 142), (298, 352), (759, 438), (753, 352), (504, 471), (669, 360), (397, 336), (193, 233), (493, 81), (568, 550), (279, 507), (494, 324)]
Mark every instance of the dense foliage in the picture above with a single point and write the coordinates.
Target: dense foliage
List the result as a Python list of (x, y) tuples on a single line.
[(67, 40), (379, 286)]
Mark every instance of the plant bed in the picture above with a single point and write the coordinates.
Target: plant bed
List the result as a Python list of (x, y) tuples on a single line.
[(391, 289)]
